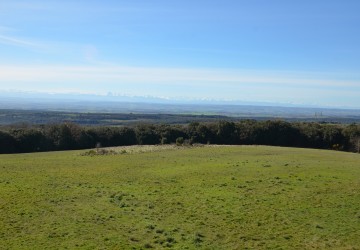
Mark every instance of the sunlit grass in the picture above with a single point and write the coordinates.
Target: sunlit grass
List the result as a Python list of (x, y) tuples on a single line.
[(231, 197)]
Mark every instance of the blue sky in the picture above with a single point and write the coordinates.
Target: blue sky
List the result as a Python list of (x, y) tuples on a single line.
[(281, 51)]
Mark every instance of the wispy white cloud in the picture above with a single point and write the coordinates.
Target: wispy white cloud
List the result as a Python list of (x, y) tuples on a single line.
[(17, 41), (52, 47), (201, 77), (12, 40)]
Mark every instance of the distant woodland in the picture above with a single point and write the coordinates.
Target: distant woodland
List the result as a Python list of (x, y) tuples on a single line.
[(70, 136), (162, 114)]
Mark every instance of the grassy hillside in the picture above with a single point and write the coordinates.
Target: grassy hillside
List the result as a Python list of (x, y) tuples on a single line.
[(226, 197)]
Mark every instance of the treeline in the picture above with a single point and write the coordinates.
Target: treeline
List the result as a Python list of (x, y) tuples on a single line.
[(69, 136)]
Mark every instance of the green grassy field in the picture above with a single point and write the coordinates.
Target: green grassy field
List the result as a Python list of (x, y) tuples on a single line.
[(241, 197)]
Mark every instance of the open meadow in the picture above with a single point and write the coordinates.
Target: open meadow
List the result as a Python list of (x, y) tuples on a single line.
[(204, 197)]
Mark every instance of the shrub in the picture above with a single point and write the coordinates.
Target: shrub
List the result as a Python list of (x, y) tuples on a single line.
[(179, 141), (164, 140)]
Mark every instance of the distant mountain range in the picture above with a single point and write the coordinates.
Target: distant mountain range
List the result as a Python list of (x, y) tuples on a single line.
[(27, 96)]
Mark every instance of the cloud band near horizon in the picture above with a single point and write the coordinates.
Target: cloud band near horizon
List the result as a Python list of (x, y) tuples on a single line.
[(175, 82)]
